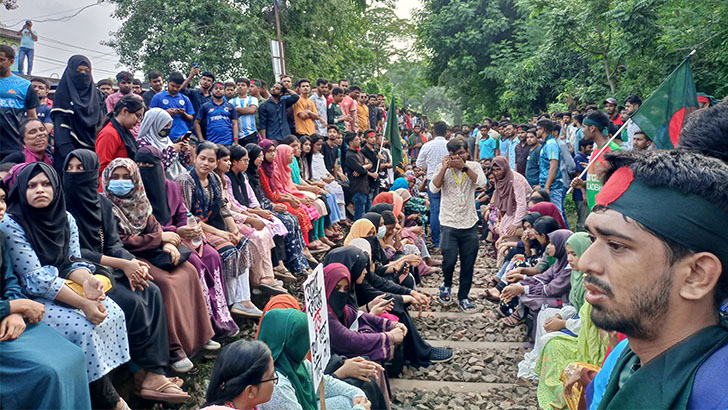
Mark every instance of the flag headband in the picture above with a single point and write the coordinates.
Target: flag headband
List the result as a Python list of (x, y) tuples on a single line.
[(689, 220)]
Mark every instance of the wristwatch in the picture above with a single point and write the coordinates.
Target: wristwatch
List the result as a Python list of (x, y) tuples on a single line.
[(465, 170)]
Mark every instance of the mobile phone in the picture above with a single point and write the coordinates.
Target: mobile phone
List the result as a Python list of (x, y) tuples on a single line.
[(388, 297), (196, 65)]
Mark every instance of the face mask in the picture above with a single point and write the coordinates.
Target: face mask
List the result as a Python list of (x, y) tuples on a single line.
[(337, 301), (164, 133), (381, 231), (120, 187)]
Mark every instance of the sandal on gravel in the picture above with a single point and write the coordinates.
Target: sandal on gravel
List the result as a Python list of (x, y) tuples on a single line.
[(168, 392), (490, 296), (445, 295), (514, 319)]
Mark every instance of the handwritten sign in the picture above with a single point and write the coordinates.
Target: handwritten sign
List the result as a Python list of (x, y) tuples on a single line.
[(318, 323)]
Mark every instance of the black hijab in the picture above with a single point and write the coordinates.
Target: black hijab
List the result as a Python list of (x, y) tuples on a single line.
[(353, 258), (531, 217), (82, 198), (46, 228), (132, 103), (237, 183), (254, 150), (374, 217), (381, 207), (154, 182), (77, 94)]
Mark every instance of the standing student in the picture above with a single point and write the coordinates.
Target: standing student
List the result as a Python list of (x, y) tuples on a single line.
[(581, 159), (429, 158), (219, 118), (304, 110), (43, 110), (549, 177), (156, 85), (272, 113), (358, 170), (246, 107), (456, 179), (176, 104)]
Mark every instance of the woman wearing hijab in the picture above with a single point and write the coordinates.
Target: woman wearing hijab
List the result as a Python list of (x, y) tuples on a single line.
[(188, 323), (154, 132), (285, 331), (132, 289), (292, 204), (319, 172), (549, 288), (511, 197), (398, 183), (115, 139), (565, 320), (202, 194), (169, 209), (546, 208), (283, 182), (78, 109), (416, 209), (245, 185), (360, 229), (33, 355), (42, 241), (35, 144)]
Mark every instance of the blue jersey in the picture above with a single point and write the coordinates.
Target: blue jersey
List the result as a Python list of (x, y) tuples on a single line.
[(17, 96), (44, 113), (246, 122), (486, 147), (218, 120), (163, 100), (550, 150)]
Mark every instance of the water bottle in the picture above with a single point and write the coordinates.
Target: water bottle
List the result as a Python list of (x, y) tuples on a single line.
[(192, 223)]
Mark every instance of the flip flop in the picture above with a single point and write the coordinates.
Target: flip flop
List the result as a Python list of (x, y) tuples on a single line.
[(514, 319), (159, 394), (271, 290)]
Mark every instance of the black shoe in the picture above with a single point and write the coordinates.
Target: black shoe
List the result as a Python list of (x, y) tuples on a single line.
[(440, 354)]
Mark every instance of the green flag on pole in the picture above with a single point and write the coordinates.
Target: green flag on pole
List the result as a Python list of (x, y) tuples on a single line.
[(662, 116), (391, 133)]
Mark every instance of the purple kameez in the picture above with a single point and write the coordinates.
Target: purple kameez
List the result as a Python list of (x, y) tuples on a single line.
[(369, 339)]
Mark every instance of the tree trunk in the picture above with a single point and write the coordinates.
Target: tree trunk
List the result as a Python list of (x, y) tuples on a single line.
[(609, 73)]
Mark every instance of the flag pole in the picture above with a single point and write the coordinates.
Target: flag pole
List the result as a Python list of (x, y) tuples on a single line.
[(598, 154)]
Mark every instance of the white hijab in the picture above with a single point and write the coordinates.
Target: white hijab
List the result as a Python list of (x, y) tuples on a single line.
[(154, 121)]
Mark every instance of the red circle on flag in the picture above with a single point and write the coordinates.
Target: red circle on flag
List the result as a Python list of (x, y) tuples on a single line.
[(676, 123), (616, 185)]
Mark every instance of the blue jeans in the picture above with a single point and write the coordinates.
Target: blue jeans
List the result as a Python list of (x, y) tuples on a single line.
[(558, 196), (362, 203), (434, 215), (22, 54)]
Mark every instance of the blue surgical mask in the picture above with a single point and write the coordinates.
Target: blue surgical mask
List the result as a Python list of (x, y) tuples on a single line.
[(381, 231), (120, 187)]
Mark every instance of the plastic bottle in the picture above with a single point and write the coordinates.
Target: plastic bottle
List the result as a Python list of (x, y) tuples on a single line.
[(192, 223)]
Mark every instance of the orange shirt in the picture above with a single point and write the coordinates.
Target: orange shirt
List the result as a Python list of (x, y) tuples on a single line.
[(305, 126), (362, 112)]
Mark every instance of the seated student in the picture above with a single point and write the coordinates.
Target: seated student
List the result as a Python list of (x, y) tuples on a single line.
[(549, 288), (243, 377), (241, 196), (415, 234), (115, 139), (527, 246), (35, 144), (296, 255), (565, 320), (132, 289), (188, 323), (320, 173), (42, 241), (169, 209), (369, 294), (260, 240), (285, 331), (154, 132), (539, 202), (389, 262), (202, 194), (34, 356), (357, 371), (416, 209)]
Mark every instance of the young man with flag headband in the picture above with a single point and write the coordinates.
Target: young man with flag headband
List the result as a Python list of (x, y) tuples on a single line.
[(657, 271)]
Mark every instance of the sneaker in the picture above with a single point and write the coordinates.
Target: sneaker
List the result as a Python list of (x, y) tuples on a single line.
[(466, 305), (239, 309), (182, 366), (445, 294), (440, 354), (211, 345)]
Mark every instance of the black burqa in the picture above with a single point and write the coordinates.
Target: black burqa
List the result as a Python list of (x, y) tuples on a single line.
[(416, 350), (154, 182), (77, 110), (254, 151), (146, 322)]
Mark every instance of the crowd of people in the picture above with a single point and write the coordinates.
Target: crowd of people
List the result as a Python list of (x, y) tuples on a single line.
[(137, 225)]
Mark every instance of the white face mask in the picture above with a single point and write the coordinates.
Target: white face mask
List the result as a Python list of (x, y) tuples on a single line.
[(381, 231)]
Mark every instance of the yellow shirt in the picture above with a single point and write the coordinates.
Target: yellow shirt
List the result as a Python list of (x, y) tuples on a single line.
[(362, 113), (304, 126)]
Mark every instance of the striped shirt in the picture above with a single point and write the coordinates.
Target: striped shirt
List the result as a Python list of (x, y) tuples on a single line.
[(431, 155), (246, 122)]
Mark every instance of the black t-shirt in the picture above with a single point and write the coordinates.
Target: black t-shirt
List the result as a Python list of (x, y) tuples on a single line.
[(17, 96), (375, 114), (355, 163), (371, 155), (330, 154), (147, 96)]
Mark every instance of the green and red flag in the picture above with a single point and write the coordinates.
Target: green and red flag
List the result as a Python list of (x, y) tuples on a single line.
[(391, 133), (662, 116)]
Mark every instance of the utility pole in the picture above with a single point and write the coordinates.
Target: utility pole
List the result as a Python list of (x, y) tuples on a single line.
[(280, 40)]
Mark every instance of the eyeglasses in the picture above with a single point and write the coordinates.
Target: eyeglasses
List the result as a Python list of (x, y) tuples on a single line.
[(272, 379), (139, 115)]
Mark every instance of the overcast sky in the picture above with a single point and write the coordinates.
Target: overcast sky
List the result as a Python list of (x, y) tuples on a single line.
[(84, 33)]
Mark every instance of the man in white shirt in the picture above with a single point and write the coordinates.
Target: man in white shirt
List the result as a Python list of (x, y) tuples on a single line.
[(456, 180), (431, 155), (320, 101)]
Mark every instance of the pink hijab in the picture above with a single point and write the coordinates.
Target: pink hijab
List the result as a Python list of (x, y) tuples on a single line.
[(282, 171)]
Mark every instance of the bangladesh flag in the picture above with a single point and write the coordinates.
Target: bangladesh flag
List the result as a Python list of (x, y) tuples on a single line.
[(391, 133), (662, 116)]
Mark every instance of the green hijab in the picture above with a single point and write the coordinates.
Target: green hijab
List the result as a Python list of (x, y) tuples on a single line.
[(579, 242), (285, 331), (295, 171)]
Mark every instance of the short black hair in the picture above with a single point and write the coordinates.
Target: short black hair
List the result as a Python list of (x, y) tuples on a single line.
[(8, 51), (243, 80), (332, 126), (240, 364), (349, 136), (583, 143), (337, 91), (440, 128), (237, 152), (633, 99), (153, 75), (321, 81), (456, 143), (289, 139), (558, 115), (209, 75), (706, 132), (104, 81), (543, 196), (546, 124), (121, 75), (136, 81), (41, 80), (545, 225), (131, 102), (354, 88), (176, 77), (206, 145), (579, 118), (301, 81)]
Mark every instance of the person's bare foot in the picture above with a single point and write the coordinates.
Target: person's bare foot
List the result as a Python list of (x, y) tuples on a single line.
[(327, 241)]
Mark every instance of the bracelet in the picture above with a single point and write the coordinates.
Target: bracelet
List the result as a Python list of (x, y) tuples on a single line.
[(367, 305)]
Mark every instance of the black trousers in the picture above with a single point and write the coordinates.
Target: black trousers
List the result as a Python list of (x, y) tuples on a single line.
[(462, 242)]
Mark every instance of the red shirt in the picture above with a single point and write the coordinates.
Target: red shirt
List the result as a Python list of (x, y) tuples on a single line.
[(109, 146)]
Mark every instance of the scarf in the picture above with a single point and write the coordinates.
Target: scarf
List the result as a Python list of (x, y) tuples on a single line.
[(531, 217), (133, 209), (549, 209), (126, 137), (666, 381), (239, 187), (398, 183), (558, 238), (579, 242), (31, 156), (404, 194), (390, 198), (285, 331), (201, 202), (295, 171), (47, 228), (381, 207), (374, 217), (337, 300), (77, 95), (282, 171), (278, 302), (83, 200), (268, 167), (254, 151), (353, 258), (154, 182), (360, 229), (505, 196), (155, 120)]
